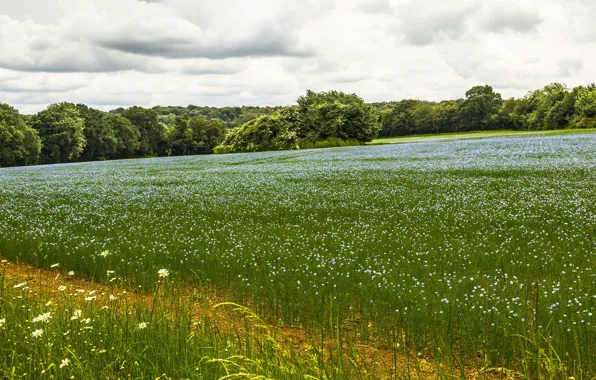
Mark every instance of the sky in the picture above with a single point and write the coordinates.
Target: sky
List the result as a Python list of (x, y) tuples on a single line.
[(119, 53)]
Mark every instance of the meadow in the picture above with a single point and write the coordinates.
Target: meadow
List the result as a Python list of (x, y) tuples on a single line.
[(471, 253)]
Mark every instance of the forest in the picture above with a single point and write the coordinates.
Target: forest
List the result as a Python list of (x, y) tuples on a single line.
[(66, 132)]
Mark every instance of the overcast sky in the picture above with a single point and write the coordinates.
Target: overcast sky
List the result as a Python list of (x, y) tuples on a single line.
[(118, 53)]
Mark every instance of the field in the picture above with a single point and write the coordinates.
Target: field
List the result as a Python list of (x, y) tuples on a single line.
[(475, 135), (471, 254)]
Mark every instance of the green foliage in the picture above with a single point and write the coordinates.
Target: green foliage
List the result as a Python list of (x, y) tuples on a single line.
[(61, 130), (123, 335), (585, 107), (548, 108), (231, 116), (19, 143), (322, 119), (101, 137), (195, 135), (480, 109), (272, 132), (334, 114), (127, 135), (410, 117), (153, 135)]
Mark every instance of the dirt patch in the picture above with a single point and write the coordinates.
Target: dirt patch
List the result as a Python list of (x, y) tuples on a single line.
[(386, 364)]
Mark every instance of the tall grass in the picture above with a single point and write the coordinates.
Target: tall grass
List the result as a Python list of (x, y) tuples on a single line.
[(87, 334), (474, 253)]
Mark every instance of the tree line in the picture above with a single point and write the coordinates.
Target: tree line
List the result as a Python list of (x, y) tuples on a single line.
[(231, 116), (553, 107), (66, 132)]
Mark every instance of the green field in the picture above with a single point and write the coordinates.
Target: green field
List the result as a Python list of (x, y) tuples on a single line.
[(456, 249), (474, 135)]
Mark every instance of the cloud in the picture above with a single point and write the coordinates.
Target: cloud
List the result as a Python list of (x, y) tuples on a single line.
[(107, 39), (422, 23), (111, 53), (172, 36), (568, 67), (503, 17)]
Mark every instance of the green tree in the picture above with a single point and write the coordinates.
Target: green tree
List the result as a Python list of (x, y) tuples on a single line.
[(585, 102), (127, 136), (61, 130), (400, 120), (153, 135), (447, 117), (196, 135), (19, 143), (101, 139), (206, 134), (585, 108), (543, 108), (334, 114), (271, 132), (480, 109), (507, 117), (424, 115)]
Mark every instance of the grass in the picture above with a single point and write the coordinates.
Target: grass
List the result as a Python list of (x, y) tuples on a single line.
[(474, 135), (470, 253), (59, 326)]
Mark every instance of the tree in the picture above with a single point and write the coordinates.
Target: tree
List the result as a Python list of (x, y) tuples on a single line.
[(585, 108), (272, 132), (480, 109), (153, 135), (424, 115), (400, 121), (206, 134), (543, 109), (447, 117), (507, 117), (334, 114), (585, 102), (101, 140), (61, 130), (127, 136), (19, 143)]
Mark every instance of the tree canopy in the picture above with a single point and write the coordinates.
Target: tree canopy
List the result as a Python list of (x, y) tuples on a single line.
[(60, 128), (19, 143), (65, 132)]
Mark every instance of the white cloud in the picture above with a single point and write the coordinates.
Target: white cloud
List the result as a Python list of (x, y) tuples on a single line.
[(112, 53)]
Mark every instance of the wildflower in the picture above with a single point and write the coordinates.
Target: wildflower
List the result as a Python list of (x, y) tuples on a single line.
[(2, 321), (86, 320), (113, 297), (45, 317), (142, 325), (71, 273), (20, 285), (49, 303), (90, 298), (163, 273), (105, 253), (77, 314), (62, 288), (110, 272), (54, 265), (64, 363), (37, 333)]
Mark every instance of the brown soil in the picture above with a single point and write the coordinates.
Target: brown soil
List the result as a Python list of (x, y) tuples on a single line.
[(384, 362)]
